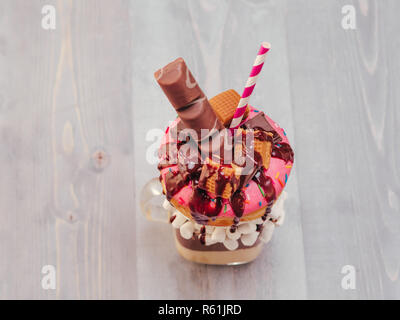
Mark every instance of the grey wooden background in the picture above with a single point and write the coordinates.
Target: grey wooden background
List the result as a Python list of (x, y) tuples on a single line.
[(76, 104)]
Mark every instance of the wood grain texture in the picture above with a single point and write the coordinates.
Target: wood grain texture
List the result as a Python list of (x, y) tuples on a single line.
[(67, 152), (347, 111), (205, 36), (80, 112)]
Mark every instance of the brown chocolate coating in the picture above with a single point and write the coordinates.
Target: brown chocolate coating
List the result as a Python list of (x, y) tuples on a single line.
[(185, 95), (178, 84), (199, 115), (259, 122)]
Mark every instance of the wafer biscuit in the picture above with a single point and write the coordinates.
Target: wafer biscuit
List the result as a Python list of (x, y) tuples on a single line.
[(264, 149), (217, 179), (224, 106), (261, 146)]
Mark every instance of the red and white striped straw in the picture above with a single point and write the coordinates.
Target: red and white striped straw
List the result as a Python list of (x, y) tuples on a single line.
[(250, 84)]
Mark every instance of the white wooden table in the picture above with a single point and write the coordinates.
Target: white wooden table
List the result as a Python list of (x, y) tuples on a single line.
[(77, 102)]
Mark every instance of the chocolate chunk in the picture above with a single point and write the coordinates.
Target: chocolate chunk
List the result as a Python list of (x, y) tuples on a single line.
[(174, 182), (259, 122)]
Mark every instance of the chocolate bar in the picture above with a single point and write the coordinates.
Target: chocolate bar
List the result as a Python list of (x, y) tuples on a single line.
[(185, 95)]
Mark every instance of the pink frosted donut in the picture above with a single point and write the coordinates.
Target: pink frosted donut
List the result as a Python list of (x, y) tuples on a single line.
[(256, 198)]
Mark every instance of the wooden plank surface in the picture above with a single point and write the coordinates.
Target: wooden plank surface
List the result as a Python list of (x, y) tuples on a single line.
[(346, 109), (67, 152), (80, 110)]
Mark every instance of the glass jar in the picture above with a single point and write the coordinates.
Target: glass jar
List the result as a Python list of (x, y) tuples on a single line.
[(196, 242)]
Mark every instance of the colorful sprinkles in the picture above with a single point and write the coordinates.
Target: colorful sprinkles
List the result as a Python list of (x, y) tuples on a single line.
[(260, 203), (225, 208), (180, 200), (277, 175), (281, 183), (261, 190), (286, 177)]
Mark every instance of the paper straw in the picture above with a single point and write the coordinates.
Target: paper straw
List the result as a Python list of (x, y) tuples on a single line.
[(250, 84)]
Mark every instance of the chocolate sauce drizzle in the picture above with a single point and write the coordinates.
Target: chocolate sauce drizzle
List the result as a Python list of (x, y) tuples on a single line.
[(267, 185), (261, 135), (282, 151)]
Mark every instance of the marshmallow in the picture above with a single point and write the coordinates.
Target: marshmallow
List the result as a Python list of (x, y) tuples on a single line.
[(166, 205), (219, 234), (277, 209), (179, 220), (249, 239), (257, 221), (209, 240), (267, 232), (198, 227), (231, 244), (274, 214), (246, 228), (210, 229), (232, 235), (280, 220), (187, 230)]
